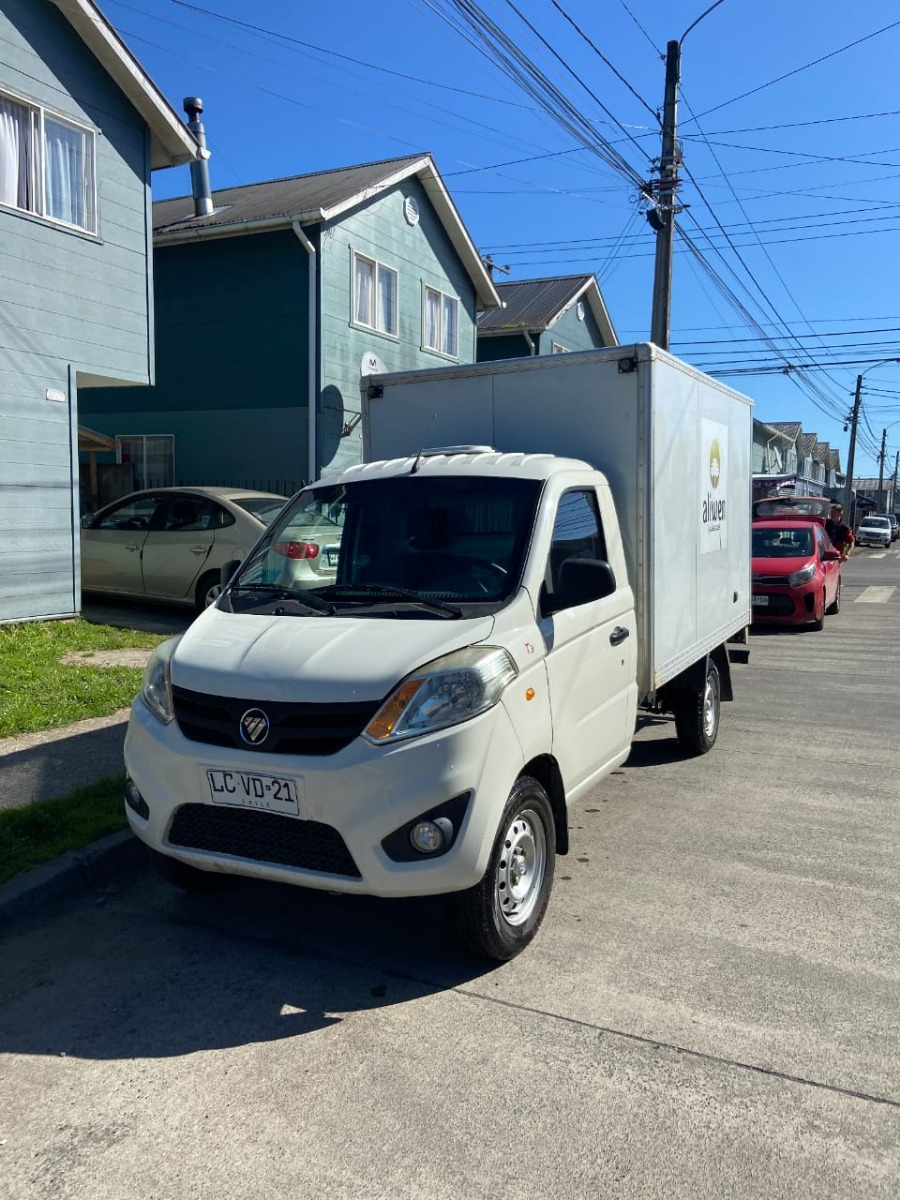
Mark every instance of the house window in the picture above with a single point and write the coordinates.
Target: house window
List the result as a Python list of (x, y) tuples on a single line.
[(152, 457), (441, 323), (47, 165), (374, 295), (556, 348)]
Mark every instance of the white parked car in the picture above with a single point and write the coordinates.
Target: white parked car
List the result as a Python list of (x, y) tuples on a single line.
[(171, 543), (874, 531)]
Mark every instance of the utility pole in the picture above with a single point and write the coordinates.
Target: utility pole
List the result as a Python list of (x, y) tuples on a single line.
[(851, 453), (881, 458), (663, 214), (893, 507)]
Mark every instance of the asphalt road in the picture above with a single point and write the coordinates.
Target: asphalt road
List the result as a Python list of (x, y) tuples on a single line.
[(712, 1008)]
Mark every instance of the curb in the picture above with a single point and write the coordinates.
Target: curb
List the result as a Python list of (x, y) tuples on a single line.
[(76, 871)]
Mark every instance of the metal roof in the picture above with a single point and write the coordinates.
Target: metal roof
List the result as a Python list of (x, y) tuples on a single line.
[(316, 197), (537, 304), (790, 428), (171, 142)]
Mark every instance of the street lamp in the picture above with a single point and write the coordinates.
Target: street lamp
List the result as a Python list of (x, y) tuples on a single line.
[(854, 421)]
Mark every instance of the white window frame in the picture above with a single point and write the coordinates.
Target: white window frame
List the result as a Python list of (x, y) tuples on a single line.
[(379, 270), (143, 438), (36, 163), (443, 298), (558, 348)]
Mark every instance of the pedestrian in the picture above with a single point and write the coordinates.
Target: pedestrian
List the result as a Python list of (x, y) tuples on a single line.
[(839, 532)]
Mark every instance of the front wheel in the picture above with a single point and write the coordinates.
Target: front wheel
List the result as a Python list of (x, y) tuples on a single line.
[(835, 606), (500, 915), (697, 713), (208, 590), (819, 619)]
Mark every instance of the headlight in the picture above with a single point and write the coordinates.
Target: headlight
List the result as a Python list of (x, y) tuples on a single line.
[(443, 693), (804, 575), (156, 688)]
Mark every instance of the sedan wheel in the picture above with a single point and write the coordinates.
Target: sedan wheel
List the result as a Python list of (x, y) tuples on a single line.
[(208, 590)]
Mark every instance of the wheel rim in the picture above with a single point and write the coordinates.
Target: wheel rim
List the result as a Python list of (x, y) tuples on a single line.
[(521, 867), (212, 594), (710, 707)]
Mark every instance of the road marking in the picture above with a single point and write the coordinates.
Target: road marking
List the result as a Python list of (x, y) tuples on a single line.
[(882, 554), (875, 595)]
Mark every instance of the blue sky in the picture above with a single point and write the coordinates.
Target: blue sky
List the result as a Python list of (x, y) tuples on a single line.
[(790, 136)]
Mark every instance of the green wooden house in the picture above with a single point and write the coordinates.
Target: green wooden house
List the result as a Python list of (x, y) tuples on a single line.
[(81, 128), (545, 316), (270, 308)]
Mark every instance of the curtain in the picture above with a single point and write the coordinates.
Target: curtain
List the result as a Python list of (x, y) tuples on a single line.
[(449, 306), (64, 173), (363, 292), (14, 127), (386, 320), (432, 320)]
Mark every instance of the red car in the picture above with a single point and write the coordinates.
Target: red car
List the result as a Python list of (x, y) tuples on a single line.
[(796, 576)]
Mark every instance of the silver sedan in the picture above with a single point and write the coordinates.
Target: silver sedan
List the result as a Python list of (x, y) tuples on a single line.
[(171, 543)]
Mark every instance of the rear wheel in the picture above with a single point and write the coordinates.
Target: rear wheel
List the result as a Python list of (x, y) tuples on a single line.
[(697, 713), (500, 915), (835, 605), (208, 590), (184, 876)]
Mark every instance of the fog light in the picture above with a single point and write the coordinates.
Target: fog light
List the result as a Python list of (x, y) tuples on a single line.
[(427, 837), (135, 800)]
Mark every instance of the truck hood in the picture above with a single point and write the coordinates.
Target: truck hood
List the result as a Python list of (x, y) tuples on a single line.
[(316, 659)]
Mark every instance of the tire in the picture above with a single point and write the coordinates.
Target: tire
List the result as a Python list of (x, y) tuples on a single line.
[(819, 621), (208, 590), (184, 876), (500, 915), (697, 713), (835, 606)]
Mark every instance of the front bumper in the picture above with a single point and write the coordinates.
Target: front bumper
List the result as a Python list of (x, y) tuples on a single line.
[(785, 604), (352, 799)]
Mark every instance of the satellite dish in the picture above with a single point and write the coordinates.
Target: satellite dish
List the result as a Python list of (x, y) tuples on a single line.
[(371, 364)]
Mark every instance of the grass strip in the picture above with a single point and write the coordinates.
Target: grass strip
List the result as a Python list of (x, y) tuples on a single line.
[(38, 692), (48, 828)]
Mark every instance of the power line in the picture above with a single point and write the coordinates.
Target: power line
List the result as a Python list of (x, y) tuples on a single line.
[(797, 70)]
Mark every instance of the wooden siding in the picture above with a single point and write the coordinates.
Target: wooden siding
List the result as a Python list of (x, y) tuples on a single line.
[(422, 255), (72, 307), (572, 333), (231, 379)]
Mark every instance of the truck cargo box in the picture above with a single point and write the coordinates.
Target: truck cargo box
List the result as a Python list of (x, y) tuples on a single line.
[(673, 443)]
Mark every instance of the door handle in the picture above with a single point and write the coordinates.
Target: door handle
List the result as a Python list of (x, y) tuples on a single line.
[(618, 635), (134, 547), (199, 549)]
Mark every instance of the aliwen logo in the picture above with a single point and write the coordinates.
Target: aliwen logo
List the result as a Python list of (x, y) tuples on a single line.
[(715, 463), (713, 488)]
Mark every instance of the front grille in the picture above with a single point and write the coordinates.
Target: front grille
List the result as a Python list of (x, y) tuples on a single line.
[(778, 606), (264, 837), (770, 580), (316, 729)]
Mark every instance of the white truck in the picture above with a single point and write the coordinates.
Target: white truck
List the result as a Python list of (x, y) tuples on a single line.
[(499, 611)]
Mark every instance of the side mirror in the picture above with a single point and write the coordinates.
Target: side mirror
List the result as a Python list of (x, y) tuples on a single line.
[(581, 580), (228, 571), (831, 555), (87, 521)]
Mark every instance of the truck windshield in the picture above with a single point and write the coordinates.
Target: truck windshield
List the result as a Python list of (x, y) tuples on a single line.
[(457, 538)]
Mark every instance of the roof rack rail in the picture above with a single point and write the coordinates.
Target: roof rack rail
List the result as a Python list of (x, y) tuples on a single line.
[(431, 451)]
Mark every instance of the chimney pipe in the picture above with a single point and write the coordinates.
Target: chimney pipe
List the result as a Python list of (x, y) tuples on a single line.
[(203, 204)]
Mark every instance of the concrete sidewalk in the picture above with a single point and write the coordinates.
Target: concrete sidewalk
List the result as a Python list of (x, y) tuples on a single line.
[(54, 762)]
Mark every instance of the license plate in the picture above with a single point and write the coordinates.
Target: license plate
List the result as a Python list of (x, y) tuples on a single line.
[(331, 556), (759, 601), (244, 790)]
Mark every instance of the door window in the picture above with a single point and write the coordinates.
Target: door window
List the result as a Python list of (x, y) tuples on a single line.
[(190, 514), (577, 533), (133, 514)]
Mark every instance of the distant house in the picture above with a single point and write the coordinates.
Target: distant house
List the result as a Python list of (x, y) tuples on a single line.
[(785, 457), (545, 316), (81, 128), (270, 310)]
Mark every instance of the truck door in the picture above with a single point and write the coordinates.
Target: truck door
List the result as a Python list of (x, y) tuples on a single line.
[(591, 652)]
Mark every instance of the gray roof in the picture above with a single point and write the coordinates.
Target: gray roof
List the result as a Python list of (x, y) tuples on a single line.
[(316, 197), (537, 304), (790, 428), (808, 443), (301, 197)]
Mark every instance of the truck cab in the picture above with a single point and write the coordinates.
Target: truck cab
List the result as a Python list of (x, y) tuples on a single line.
[(422, 723)]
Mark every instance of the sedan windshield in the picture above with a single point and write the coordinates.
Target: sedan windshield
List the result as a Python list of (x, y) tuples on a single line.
[(772, 542), (412, 542)]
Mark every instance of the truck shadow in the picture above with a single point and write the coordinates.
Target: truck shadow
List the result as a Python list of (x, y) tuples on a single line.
[(147, 972)]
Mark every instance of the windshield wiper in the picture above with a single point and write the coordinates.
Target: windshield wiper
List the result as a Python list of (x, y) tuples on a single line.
[(387, 592), (280, 592)]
